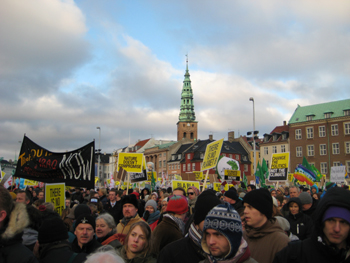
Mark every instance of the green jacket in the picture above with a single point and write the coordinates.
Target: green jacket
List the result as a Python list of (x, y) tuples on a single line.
[(149, 258)]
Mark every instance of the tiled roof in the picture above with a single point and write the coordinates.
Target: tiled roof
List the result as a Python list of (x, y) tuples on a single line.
[(318, 111), (141, 143)]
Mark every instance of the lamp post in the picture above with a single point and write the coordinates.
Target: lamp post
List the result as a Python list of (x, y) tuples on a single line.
[(99, 152), (254, 165)]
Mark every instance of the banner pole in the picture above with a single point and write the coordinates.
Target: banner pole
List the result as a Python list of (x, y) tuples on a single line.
[(205, 180), (127, 187)]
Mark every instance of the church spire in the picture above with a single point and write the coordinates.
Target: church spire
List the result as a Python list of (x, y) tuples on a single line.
[(187, 106)]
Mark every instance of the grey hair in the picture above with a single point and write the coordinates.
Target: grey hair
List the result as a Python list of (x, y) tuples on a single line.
[(104, 254), (108, 219), (298, 189)]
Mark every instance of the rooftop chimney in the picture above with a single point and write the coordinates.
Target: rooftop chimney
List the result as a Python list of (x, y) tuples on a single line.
[(231, 136), (284, 123)]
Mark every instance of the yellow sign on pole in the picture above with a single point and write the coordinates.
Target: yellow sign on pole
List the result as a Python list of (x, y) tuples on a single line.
[(184, 184), (54, 193), (217, 187), (130, 162), (30, 182), (212, 154), (199, 175)]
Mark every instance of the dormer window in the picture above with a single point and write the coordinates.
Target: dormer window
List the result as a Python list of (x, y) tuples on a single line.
[(346, 112), (275, 137), (179, 156), (327, 115), (309, 117), (284, 136)]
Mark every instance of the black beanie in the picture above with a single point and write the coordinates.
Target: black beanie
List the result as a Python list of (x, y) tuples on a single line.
[(130, 199), (52, 230), (232, 193), (81, 209), (205, 202), (261, 200), (86, 219)]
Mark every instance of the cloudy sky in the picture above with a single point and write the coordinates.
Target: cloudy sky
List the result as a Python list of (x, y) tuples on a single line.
[(67, 67)]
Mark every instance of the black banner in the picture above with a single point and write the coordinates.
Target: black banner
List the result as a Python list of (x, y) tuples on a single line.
[(75, 168), (138, 177)]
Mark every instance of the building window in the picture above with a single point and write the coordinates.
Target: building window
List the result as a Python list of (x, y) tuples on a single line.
[(310, 132), (310, 150), (193, 166), (284, 136), (327, 115), (237, 157), (334, 128), (283, 148), (336, 163), (323, 168), (347, 147), (192, 135), (184, 167), (346, 112), (266, 150), (160, 164), (274, 149), (335, 148), (201, 155), (230, 155), (298, 134), (188, 167), (347, 128), (188, 156), (164, 154), (275, 137), (322, 131), (347, 166), (246, 167), (164, 163), (309, 118), (267, 164), (299, 151), (323, 149)]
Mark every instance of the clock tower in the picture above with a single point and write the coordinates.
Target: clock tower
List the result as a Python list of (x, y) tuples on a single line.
[(187, 125)]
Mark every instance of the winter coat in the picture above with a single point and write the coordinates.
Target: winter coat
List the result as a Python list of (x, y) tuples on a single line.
[(87, 248), (300, 224), (149, 258), (166, 232), (183, 250), (60, 252), (124, 229), (116, 211), (314, 249), (264, 242), (111, 239), (11, 247), (152, 219)]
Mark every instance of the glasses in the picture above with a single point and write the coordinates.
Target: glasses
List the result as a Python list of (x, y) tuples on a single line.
[(190, 193)]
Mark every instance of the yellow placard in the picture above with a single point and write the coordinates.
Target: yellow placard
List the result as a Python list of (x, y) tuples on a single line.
[(130, 162), (108, 181), (217, 187), (178, 177), (280, 161), (149, 176), (159, 179), (212, 154), (184, 184), (199, 175), (116, 182), (30, 182), (234, 173), (96, 180), (54, 193)]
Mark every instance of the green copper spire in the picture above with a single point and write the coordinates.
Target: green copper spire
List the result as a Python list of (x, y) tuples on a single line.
[(187, 107)]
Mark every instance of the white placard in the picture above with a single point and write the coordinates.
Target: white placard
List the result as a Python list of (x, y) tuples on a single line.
[(338, 174)]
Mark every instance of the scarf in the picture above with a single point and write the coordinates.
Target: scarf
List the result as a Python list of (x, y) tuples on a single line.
[(178, 221), (153, 217), (125, 221), (195, 235), (192, 202), (242, 255)]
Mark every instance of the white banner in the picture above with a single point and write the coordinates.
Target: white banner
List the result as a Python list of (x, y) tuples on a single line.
[(338, 174)]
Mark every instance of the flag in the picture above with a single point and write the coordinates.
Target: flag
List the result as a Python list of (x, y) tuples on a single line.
[(245, 180), (258, 174), (265, 169)]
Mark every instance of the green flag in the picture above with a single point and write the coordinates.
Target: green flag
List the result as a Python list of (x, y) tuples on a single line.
[(245, 180), (265, 169), (259, 174)]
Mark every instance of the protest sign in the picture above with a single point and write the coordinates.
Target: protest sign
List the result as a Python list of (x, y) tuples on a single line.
[(138, 177), (74, 168), (199, 175), (217, 187), (184, 184), (279, 167), (234, 175), (338, 174), (130, 162), (212, 154), (30, 182), (54, 193)]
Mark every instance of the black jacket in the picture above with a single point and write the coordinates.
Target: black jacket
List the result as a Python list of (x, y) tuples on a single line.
[(87, 248), (116, 211), (60, 252), (315, 249), (300, 224)]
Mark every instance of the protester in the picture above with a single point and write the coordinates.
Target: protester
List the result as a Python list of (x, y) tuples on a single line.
[(300, 224), (85, 235), (114, 205), (130, 208), (231, 197), (329, 241), (52, 245), (104, 256), (24, 197), (192, 193), (106, 231), (262, 232), (280, 191), (164, 204), (294, 191), (30, 233), (102, 193), (308, 204), (151, 215), (172, 226), (137, 245), (188, 249), (13, 220), (224, 242)]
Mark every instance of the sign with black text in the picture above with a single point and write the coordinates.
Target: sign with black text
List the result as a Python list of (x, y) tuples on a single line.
[(279, 167)]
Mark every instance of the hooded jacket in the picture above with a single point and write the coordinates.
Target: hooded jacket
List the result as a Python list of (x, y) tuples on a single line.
[(314, 186), (300, 224), (265, 241), (315, 249), (11, 247)]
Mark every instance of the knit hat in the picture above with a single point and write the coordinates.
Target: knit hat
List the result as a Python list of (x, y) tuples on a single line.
[(130, 199), (231, 194), (81, 209), (281, 189), (177, 204), (52, 230), (336, 211), (224, 219), (261, 200), (205, 202), (152, 203), (305, 198), (195, 189), (86, 219)]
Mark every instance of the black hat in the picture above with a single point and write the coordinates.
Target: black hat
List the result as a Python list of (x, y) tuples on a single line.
[(86, 219), (232, 193), (130, 199), (261, 200), (81, 209), (52, 230), (205, 202)]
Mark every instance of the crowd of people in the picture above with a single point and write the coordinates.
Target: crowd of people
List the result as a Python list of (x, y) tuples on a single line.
[(282, 224)]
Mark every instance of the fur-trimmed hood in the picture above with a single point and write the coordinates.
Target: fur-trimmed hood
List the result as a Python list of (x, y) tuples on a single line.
[(18, 220)]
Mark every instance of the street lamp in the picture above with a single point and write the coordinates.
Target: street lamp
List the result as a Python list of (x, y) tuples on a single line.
[(254, 166), (98, 152)]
